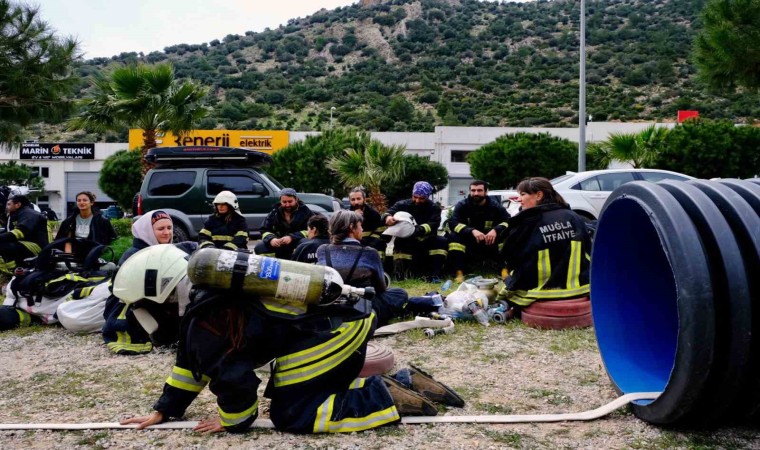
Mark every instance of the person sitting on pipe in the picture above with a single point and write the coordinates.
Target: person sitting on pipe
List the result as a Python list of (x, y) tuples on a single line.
[(547, 248)]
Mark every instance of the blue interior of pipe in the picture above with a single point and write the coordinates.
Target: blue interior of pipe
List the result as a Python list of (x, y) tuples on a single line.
[(634, 299)]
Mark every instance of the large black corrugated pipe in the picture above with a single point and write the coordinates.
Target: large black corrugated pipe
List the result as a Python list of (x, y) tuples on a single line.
[(674, 269)]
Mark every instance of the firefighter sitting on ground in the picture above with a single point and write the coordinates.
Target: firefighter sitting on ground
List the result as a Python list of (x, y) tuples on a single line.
[(318, 235), (27, 233), (424, 252), (547, 248), (476, 229), (226, 228), (371, 222), (314, 385), (284, 227)]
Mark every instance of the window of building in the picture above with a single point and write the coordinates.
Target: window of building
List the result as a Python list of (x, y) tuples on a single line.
[(43, 172), (460, 156)]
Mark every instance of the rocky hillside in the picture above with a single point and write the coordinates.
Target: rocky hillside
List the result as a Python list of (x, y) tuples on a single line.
[(398, 65)]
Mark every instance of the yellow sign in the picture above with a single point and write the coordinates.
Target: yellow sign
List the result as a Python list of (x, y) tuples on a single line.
[(268, 141)]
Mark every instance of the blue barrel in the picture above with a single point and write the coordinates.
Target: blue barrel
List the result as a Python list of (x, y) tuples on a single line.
[(672, 285)]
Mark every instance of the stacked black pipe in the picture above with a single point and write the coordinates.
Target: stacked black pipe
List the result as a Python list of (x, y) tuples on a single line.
[(675, 292)]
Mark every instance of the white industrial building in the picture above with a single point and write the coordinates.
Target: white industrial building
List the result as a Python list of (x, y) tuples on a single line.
[(446, 145)]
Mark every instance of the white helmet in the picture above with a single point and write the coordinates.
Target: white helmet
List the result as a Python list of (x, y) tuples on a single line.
[(404, 226), (228, 198), (151, 274)]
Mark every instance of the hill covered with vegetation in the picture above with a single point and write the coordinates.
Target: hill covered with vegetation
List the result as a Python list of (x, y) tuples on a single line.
[(409, 65)]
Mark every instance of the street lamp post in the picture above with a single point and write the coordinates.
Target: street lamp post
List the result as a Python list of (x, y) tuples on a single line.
[(331, 116), (582, 94)]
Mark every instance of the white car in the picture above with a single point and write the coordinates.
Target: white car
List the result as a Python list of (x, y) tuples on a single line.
[(586, 192)]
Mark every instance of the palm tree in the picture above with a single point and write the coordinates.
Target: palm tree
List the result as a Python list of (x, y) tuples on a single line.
[(639, 149), (141, 96), (370, 167)]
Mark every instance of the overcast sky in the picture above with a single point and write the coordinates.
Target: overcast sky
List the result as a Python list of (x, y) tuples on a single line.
[(107, 28)]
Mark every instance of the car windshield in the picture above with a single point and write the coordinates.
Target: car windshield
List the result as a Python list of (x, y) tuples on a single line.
[(561, 178)]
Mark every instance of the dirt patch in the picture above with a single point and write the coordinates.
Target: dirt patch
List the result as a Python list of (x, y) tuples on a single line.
[(51, 375)]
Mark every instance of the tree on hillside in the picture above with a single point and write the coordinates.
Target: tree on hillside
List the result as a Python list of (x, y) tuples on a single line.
[(640, 149), (370, 167), (301, 165), (512, 157), (146, 97), (36, 76), (121, 177), (416, 168), (726, 52)]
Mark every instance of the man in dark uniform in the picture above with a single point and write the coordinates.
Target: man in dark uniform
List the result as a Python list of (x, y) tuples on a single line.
[(372, 224), (424, 250), (476, 228), (27, 232), (284, 226)]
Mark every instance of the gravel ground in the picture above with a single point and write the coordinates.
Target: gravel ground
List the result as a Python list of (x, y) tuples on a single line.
[(51, 375)]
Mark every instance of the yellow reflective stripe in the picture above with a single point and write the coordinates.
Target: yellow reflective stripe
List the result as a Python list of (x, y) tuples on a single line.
[(588, 257), (426, 227), (321, 366), (205, 231), (503, 224), (71, 277), (526, 297), (231, 419), (457, 247), (18, 233), (357, 383), (488, 224), (24, 318), (343, 334), (266, 233), (230, 246), (31, 246), (323, 424), (242, 233), (438, 252), (574, 265), (544, 267), (366, 234), (283, 307), (123, 313), (206, 244), (459, 227), (183, 379), (401, 256), (305, 233), (221, 237), (84, 292)]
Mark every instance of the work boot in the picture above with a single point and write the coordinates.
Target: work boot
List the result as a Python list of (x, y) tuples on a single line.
[(433, 390), (460, 277), (408, 402), (401, 269)]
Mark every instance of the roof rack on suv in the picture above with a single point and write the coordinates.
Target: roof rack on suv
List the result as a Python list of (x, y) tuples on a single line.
[(194, 155)]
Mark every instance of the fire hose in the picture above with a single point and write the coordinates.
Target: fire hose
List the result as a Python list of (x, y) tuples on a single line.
[(265, 423)]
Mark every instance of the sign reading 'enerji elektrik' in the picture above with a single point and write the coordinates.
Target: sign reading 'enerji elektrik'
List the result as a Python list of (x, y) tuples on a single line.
[(262, 140)]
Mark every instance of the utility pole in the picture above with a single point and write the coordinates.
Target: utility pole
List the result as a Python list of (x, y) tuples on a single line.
[(582, 94)]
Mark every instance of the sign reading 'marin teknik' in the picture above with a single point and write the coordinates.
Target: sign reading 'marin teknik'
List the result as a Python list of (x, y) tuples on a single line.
[(45, 150)]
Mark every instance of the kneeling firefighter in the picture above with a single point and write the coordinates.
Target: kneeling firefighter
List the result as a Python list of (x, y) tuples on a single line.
[(247, 310)]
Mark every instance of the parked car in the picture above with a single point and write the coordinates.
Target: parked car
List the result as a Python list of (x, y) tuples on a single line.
[(113, 212), (586, 192), (185, 181)]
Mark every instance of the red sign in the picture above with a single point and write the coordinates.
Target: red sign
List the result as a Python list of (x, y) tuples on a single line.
[(683, 115)]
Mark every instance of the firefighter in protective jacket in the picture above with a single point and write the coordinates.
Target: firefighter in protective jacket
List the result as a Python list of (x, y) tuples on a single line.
[(547, 249), (424, 250), (476, 229), (27, 232), (284, 227), (226, 228)]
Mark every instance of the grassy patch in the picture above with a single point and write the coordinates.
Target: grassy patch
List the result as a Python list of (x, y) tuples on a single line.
[(493, 408), (691, 440), (550, 396), (587, 378), (511, 438), (119, 246), (24, 331), (90, 440), (567, 341)]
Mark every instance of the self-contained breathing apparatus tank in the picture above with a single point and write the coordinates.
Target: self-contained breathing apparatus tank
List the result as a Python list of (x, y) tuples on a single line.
[(270, 278)]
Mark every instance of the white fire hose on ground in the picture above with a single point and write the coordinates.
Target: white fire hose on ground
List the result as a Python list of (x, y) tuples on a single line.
[(265, 423)]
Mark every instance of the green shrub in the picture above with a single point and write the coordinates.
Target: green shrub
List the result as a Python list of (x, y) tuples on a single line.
[(120, 246), (123, 227), (512, 157)]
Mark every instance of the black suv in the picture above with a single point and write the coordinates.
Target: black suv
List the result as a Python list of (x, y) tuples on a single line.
[(186, 180)]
